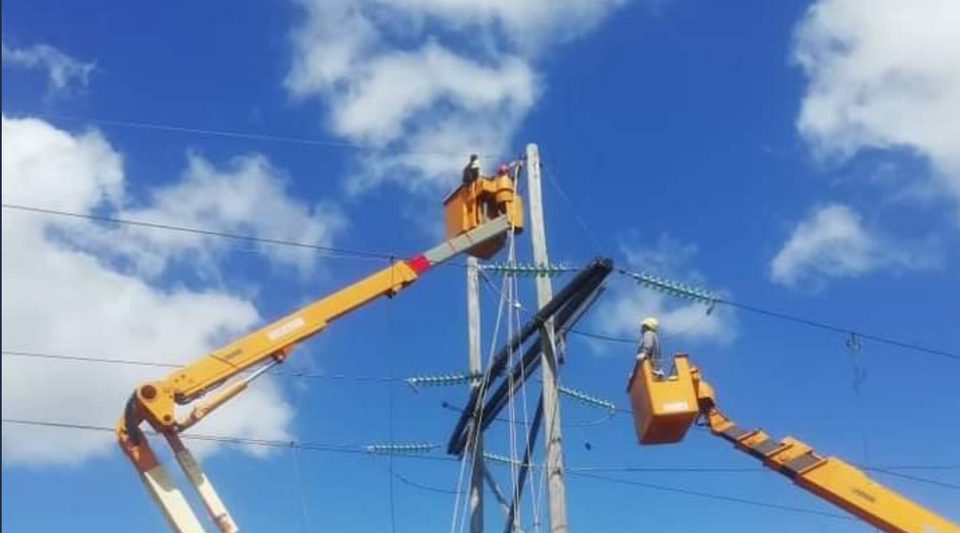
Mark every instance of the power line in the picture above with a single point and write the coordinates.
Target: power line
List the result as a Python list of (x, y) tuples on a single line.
[(327, 251), (201, 231), (82, 359), (780, 316), (708, 298), (576, 214), (923, 467), (243, 441), (893, 470), (842, 330), (409, 482), (301, 490), (294, 374), (364, 450), (712, 496), (885, 469), (248, 136), (773, 314), (356, 450), (602, 337), (759, 470), (889, 472), (389, 256), (493, 289), (671, 469), (154, 364), (415, 382), (574, 471), (751, 469), (376, 255)]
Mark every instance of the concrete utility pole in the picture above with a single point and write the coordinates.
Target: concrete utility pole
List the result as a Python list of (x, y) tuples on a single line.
[(556, 488), (476, 366)]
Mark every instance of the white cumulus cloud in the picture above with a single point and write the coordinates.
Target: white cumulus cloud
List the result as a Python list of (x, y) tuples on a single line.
[(682, 322), (63, 71), (883, 74), (63, 294), (247, 197), (430, 78), (834, 242)]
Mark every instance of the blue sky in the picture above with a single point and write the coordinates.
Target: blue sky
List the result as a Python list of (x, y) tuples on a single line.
[(796, 156)]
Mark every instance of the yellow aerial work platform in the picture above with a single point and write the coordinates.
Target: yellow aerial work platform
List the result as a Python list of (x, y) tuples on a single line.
[(482, 200), (663, 408)]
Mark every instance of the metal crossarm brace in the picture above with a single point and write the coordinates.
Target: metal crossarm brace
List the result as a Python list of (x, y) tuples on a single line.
[(574, 292)]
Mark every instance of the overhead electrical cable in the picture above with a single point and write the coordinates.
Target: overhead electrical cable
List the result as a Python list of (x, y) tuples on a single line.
[(154, 364), (244, 135), (647, 280)]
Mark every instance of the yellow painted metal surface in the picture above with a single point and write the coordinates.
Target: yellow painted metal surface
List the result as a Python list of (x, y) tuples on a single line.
[(208, 496), (221, 372), (170, 500), (155, 402), (484, 199), (832, 479), (212, 370), (849, 488), (663, 409)]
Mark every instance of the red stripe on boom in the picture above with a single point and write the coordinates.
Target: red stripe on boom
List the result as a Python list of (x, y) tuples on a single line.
[(418, 263)]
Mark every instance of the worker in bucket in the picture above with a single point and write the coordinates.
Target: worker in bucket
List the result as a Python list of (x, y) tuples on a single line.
[(471, 172), (650, 345)]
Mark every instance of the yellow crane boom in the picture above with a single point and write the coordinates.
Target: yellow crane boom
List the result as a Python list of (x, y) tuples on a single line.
[(664, 408), (479, 215)]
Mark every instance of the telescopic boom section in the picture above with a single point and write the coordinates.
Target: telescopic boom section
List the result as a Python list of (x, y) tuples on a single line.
[(242, 361), (665, 408)]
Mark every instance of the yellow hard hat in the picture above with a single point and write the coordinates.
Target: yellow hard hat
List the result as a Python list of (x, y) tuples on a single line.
[(650, 323)]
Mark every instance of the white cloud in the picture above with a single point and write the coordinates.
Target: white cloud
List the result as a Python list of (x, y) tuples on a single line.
[(682, 323), (248, 197), (833, 242), (883, 74), (63, 72), (432, 78), (402, 84), (62, 294), (46, 166)]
